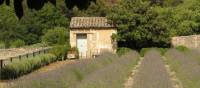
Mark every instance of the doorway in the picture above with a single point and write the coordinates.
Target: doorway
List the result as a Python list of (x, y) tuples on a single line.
[(82, 45)]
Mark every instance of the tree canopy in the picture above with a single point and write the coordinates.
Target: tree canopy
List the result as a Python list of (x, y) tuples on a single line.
[(140, 23), (38, 4)]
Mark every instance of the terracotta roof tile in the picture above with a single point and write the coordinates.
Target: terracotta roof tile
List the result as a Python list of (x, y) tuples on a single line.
[(91, 22)]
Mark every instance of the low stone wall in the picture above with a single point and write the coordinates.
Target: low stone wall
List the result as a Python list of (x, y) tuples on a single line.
[(192, 41)]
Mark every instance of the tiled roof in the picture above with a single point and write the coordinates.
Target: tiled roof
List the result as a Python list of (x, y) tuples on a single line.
[(91, 22)]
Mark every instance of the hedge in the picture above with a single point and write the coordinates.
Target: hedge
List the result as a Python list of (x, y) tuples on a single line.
[(16, 69)]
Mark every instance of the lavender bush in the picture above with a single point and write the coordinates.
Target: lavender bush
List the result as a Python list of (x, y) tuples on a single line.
[(113, 75), (152, 72), (187, 69), (66, 76), (16, 69)]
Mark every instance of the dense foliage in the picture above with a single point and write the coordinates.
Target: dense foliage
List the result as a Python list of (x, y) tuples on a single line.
[(32, 26), (141, 23), (57, 35)]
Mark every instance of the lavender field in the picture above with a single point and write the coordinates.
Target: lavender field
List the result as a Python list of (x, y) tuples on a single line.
[(113, 75), (105, 71), (186, 67), (152, 72)]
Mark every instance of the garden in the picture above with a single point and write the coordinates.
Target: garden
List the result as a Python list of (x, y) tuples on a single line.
[(110, 70), (146, 26)]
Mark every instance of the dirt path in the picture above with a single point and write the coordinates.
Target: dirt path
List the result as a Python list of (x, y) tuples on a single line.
[(152, 73), (176, 82), (129, 82), (44, 69)]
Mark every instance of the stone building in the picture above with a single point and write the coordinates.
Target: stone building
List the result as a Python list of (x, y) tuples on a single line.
[(92, 35)]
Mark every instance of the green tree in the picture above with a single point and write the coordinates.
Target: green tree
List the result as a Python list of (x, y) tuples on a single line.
[(140, 24), (99, 8), (8, 25), (58, 35), (36, 23), (187, 17)]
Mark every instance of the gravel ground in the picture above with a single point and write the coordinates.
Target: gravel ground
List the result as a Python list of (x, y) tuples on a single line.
[(152, 73)]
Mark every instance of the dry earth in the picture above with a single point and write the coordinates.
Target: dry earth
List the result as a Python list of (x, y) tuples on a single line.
[(129, 82)]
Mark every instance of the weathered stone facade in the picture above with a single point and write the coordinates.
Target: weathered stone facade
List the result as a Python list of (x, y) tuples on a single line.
[(192, 41), (92, 36), (98, 40)]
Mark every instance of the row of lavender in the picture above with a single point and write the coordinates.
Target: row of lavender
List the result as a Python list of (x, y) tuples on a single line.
[(17, 54), (186, 65), (106, 71), (152, 72)]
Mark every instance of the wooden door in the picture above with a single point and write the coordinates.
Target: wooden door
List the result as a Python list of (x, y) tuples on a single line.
[(82, 45)]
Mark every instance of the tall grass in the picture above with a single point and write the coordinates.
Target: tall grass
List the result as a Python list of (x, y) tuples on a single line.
[(113, 75), (152, 72), (66, 76), (186, 68)]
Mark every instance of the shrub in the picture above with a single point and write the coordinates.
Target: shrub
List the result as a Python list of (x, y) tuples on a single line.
[(2, 45), (60, 51), (144, 50), (16, 69), (36, 45), (17, 43), (162, 50), (58, 35), (74, 50), (122, 50), (181, 48)]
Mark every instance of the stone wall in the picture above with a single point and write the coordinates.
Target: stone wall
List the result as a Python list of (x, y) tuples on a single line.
[(192, 41)]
